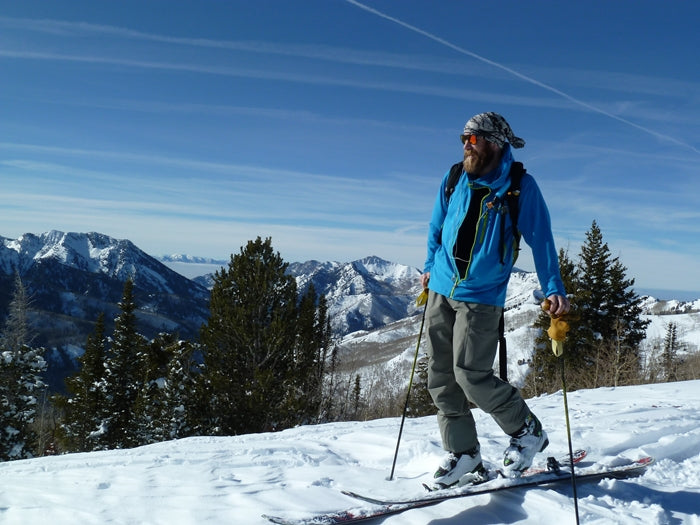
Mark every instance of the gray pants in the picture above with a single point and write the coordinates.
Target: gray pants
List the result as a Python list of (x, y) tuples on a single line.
[(462, 344)]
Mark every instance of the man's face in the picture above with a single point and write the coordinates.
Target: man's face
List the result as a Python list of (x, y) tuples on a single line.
[(479, 158)]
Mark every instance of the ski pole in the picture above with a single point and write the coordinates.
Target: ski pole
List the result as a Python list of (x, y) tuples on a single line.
[(557, 333), (568, 435), (422, 299)]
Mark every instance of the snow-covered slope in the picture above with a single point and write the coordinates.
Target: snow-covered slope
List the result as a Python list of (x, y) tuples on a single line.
[(299, 472), (395, 342)]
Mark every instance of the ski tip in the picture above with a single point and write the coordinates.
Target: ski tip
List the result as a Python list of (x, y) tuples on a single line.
[(580, 454), (645, 461)]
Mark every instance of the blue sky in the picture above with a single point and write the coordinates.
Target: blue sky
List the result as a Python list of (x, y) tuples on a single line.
[(195, 126)]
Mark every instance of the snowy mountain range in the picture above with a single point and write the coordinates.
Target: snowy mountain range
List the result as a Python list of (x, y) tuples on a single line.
[(362, 295), (72, 277)]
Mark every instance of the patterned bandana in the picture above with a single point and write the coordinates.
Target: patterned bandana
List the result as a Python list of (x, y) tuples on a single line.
[(493, 127)]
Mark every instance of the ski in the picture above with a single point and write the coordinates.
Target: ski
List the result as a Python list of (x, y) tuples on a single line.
[(626, 470), (552, 465), (384, 508)]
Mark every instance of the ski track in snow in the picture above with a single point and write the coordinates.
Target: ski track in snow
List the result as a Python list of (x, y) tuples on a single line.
[(300, 472)]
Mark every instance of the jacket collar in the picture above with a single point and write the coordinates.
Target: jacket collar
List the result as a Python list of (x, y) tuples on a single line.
[(499, 178)]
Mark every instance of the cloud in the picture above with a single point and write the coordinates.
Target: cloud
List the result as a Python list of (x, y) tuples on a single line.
[(219, 191), (526, 78)]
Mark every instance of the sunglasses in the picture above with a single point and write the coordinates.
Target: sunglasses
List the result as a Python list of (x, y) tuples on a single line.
[(471, 138)]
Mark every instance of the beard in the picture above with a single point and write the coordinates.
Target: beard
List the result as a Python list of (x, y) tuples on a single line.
[(475, 162)]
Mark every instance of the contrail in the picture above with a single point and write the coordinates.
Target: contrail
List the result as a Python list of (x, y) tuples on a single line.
[(521, 76)]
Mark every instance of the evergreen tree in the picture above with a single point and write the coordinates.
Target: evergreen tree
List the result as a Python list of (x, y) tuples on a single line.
[(149, 404), (253, 342), (356, 397), (123, 376), (329, 410), (83, 411), (602, 347), (181, 407), (625, 309), (593, 297), (305, 385), (20, 380), (620, 347), (669, 360), (611, 326), (420, 402)]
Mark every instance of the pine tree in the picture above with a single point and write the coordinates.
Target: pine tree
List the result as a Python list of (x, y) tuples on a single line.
[(420, 402), (123, 376), (606, 324), (252, 344), (628, 328), (668, 358), (625, 308), (181, 407), (20, 380), (149, 404), (356, 397), (305, 385), (611, 326), (329, 405), (591, 294), (83, 411)]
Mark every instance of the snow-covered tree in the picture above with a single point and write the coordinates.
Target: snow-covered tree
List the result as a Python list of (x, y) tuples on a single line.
[(20, 379), (180, 408), (150, 402), (122, 378), (83, 409)]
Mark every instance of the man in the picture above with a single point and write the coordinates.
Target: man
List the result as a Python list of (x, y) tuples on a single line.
[(470, 258)]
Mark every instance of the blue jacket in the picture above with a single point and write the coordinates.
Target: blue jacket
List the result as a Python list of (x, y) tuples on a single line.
[(474, 272)]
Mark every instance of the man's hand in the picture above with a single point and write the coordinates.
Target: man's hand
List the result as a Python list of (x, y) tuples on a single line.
[(558, 305), (424, 278)]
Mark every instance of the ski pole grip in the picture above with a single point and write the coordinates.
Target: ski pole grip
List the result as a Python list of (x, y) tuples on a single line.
[(557, 330)]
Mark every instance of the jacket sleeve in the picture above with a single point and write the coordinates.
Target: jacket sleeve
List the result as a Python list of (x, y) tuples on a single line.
[(436, 221), (535, 226)]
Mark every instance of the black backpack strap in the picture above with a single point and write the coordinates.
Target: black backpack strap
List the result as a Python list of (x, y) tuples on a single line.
[(452, 180), (517, 170)]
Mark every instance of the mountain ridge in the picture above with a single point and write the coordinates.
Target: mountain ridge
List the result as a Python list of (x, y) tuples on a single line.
[(72, 277)]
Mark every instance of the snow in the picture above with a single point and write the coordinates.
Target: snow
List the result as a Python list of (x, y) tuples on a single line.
[(299, 472)]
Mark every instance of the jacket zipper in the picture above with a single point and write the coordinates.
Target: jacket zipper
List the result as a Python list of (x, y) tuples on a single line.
[(479, 235)]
